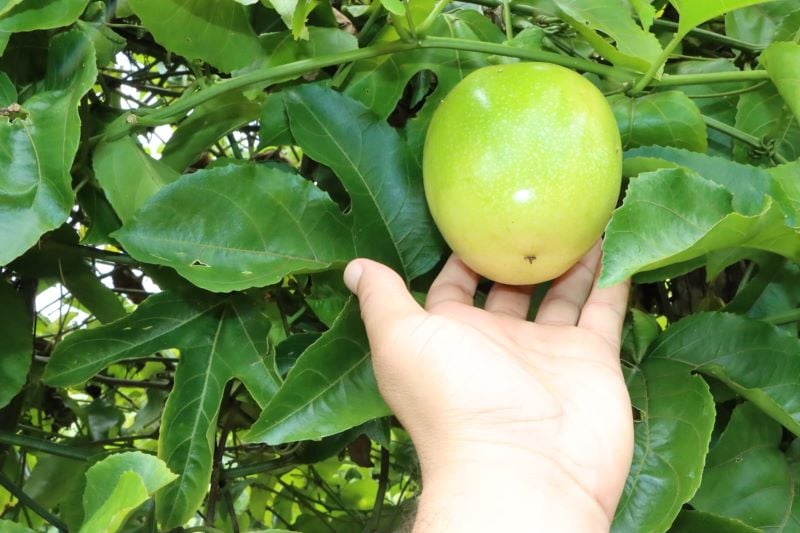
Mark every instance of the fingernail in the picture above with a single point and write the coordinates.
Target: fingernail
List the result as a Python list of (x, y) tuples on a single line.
[(352, 274)]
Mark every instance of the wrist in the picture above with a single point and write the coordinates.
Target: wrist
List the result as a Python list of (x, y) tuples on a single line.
[(505, 493)]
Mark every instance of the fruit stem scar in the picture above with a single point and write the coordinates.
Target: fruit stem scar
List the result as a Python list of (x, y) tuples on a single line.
[(530, 259)]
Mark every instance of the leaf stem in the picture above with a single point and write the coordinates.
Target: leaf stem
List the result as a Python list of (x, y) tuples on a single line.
[(30, 443), (431, 18), (783, 318), (261, 78), (656, 65), (32, 504), (670, 80), (711, 36), (747, 89), (729, 130), (380, 495), (507, 19)]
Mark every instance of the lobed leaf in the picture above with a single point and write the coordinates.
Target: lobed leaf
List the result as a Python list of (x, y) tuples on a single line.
[(330, 388), (219, 339), (635, 47), (239, 226), (670, 443), (391, 222), (216, 32), (754, 358), (669, 119)]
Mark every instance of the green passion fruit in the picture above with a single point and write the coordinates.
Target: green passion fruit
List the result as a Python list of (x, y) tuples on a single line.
[(522, 169)]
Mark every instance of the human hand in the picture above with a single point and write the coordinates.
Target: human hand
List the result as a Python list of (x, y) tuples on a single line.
[(539, 409)]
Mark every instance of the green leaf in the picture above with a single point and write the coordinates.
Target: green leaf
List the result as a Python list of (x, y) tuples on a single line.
[(274, 124), (107, 43), (16, 351), (789, 26), (786, 185), (645, 330), (668, 119), (219, 339), (119, 484), (282, 48), (395, 7), (12, 527), (331, 388), (379, 82), (746, 475), (756, 359), (671, 216), (186, 443), (635, 47), (38, 149), (391, 222), (670, 443), (206, 125), (29, 15), (693, 13), (782, 61), (82, 282), (699, 522), (722, 108), (216, 32), (6, 5), (294, 14), (757, 24), (129, 176), (765, 115), (239, 226), (8, 93)]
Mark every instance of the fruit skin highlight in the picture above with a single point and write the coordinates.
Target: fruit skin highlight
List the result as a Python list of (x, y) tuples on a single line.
[(522, 168)]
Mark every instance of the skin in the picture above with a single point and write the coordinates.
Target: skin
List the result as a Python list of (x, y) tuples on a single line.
[(519, 426)]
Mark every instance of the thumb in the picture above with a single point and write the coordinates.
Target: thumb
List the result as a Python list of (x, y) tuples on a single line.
[(382, 295)]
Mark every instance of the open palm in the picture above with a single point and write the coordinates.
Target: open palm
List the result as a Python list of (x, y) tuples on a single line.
[(488, 385)]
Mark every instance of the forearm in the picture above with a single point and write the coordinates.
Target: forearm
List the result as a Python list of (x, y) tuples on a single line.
[(527, 498)]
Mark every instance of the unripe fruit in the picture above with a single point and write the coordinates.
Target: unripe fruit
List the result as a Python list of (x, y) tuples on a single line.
[(522, 167)]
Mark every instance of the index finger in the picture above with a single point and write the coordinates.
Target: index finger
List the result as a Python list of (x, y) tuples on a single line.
[(604, 312)]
